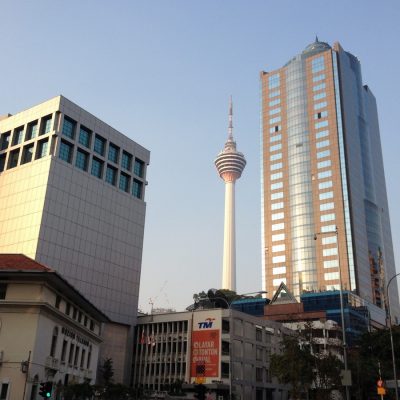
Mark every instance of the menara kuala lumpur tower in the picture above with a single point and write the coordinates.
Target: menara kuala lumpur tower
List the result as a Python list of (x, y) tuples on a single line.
[(230, 165), (323, 179)]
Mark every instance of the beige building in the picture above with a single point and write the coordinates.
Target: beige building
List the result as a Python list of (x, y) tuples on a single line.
[(72, 194), (226, 350), (325, 210), (48, 330)]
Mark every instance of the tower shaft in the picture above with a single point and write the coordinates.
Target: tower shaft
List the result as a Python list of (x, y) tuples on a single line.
[(229, 258)]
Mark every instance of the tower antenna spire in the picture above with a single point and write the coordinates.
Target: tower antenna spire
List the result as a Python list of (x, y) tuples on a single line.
[(230, 125)]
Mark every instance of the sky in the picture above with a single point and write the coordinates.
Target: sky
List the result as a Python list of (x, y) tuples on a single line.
[(162, 72)]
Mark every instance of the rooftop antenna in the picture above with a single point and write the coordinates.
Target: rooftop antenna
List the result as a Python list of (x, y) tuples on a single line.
[(230, 126)]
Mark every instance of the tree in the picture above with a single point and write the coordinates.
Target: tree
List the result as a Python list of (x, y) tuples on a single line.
[(106, 372), (327, 375), (293, 366)]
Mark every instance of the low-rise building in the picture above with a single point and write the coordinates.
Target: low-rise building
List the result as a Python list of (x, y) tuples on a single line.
[(49, 332), (205, 346)]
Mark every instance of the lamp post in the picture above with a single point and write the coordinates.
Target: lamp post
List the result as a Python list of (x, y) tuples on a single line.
[(391, 336), (341, 306)]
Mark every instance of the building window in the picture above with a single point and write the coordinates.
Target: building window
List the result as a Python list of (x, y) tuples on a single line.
[(277, 195), (327, 217), (330, 252), (99, 145), (277, 248), (324, 164), (277, 206), (331, 276), (124, 182), (3, 290), (318, 106), (137, 188), (54, 342), (325, 185), (317, 64), (276, 185), (46, 125), (5, 140), (278, 237), (326, 206), (278, 259), (273, 81), (259, 374), (275, 111), (58, 302), (319, 87), (331, 264), (274, 102), (18, 135), (278, 175), (322, 144), (32, 130), (64, 350), (274, 167), (321, 114), (319, 96), (4, 391), (323, 154), (66, 150), (111, 175), (275, 147), (71, 353), (278, 270), (275, 129), (76, 358), (82, 160), (42, 147), (274, 93), (278, 227), (69, 127), (68, 308), (321, 124), (328, 228), (113, 152), (27, 154), (276, 216), (139, 168), (13, 159), (84, 136), (278, 281), (321, 134), (89, 358), (273, 121), (126, 161), (329, 240), (97, 168), (275, 138), (318, 78), (2, 162), (83, 358)]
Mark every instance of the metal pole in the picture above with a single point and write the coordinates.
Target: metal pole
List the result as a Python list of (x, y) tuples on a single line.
[(391, 337)]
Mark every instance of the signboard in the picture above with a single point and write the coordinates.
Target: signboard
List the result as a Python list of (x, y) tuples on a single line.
[(206, 345), (381, 390)]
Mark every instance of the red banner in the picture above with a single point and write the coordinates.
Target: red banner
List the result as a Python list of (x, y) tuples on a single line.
[(205, 353)]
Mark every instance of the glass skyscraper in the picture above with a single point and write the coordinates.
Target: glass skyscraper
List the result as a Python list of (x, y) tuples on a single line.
[(324, 203)]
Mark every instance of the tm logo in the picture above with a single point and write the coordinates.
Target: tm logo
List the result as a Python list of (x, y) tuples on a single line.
[(208, 323)]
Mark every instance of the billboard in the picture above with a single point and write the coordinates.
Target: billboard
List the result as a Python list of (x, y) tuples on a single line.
[(206, 345)]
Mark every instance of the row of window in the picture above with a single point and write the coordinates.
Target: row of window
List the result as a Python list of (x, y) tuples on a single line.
[(26, 132), (115, 155), (100, 169)]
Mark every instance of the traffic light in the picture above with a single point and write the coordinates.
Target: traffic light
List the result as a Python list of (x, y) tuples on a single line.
[(45, 389)]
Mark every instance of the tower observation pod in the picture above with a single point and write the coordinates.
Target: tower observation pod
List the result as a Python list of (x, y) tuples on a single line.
[(230, 164)]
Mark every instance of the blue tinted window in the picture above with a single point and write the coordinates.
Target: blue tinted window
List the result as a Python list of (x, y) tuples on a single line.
[(46, 125), (5, 140), (126, 161), (321, 134), (275, 128), (273, 81), (318, 78), (97, 168), (82, 159), (18, 135), (69, 127), (321, 124), (275, 138), (319, 96), (274, 93), (42, 148), (274, 120), (319, 87), (124, 182), (32, 130), (274, 157), (275, 111), (274, 102), (113, 152), (84, 136), (317, 64), (323, 154), (111, 175), (325, 185), (66, 151), (139, 167), (324, 164), (99, 145), (137, 188), (276, 166), (324, 143), (318, 106)]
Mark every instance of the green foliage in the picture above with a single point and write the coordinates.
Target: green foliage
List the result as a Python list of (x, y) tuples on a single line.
[(107, 372), (294, 366)]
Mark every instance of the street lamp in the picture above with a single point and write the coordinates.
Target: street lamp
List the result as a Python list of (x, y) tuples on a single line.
[(341, 306), (391, 336)]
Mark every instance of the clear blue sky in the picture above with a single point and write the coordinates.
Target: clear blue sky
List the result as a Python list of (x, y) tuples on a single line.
[(162, 72)]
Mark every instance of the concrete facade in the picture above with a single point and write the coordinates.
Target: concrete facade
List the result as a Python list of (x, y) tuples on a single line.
[(46, 325), (322, 173)]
